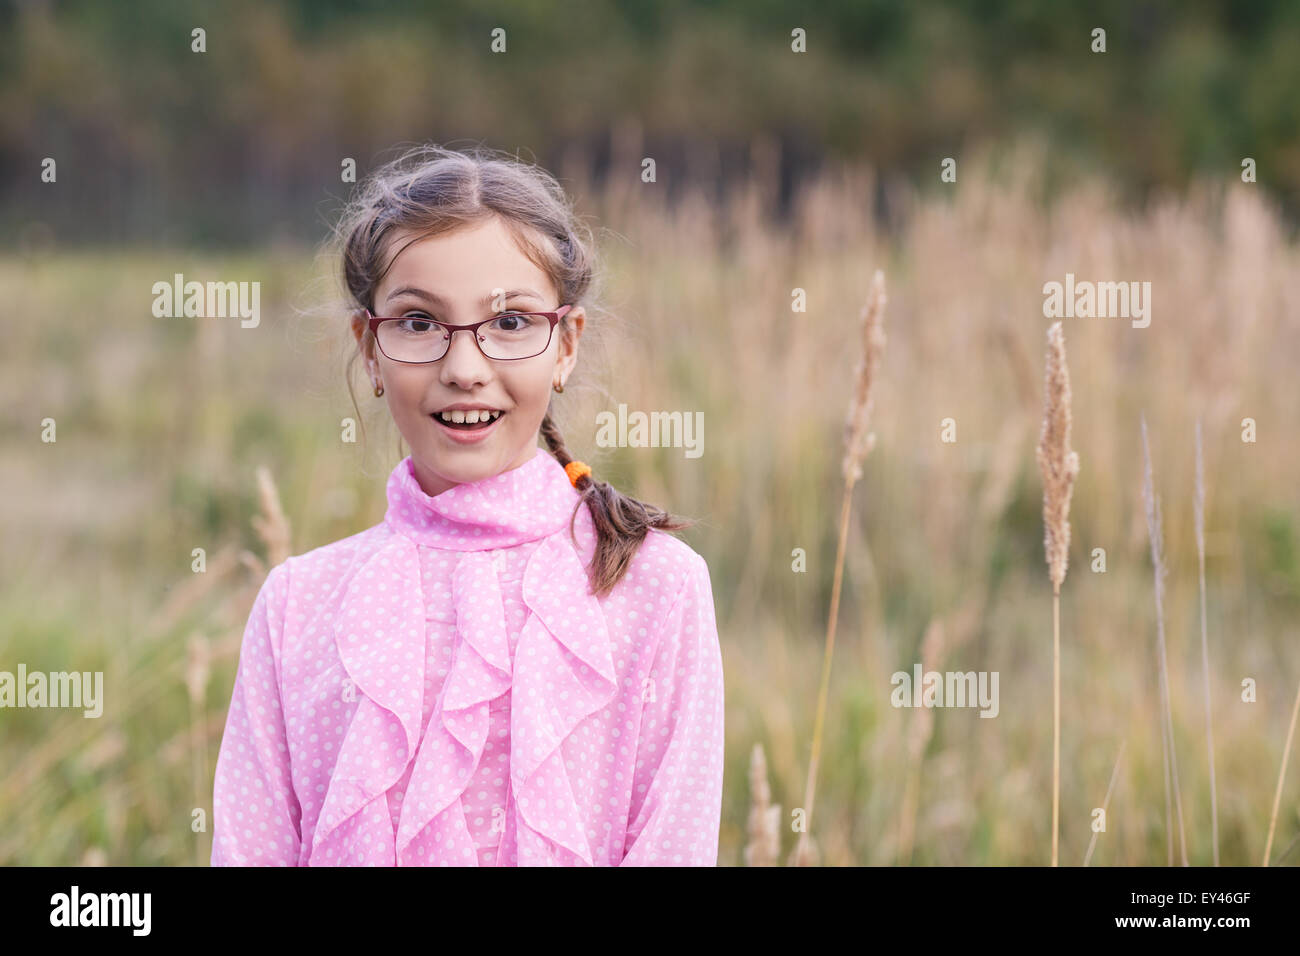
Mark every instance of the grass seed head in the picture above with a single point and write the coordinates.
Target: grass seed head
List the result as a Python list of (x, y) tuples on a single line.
[(1058, 463)]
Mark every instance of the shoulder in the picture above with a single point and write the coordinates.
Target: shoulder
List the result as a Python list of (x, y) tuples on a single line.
[(661, 565), (684, 639), (332, 561), (665, 567), (318, 572)]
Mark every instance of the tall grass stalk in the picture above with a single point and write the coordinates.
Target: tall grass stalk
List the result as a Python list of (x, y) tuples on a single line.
[(197, 670), (1205, 647), (1105, 804), (1152, 507), (1281, 777), (1060, 467), (271, 525), (932, 647), (764, 845), (858, 442)]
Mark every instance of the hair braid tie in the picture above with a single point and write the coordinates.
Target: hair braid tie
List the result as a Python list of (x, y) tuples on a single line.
[(575, 470)]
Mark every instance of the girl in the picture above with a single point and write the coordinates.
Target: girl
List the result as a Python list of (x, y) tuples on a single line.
[(494, 675)]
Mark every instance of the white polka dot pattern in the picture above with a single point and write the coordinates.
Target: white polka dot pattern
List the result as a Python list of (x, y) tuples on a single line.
[(442, 690)]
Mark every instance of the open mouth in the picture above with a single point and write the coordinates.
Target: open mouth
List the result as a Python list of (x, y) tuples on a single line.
[(470, 421)]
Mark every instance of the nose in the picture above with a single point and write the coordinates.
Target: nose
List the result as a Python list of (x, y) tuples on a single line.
[(464, 365)]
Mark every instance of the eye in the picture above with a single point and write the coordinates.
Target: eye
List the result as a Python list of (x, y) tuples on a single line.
[(514, 322), (415, 324)]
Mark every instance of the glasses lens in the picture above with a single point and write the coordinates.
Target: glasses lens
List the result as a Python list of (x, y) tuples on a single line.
[(514, 335), (412, 340)]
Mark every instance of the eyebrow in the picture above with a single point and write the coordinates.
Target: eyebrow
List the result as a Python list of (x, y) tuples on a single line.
[(439, 300)]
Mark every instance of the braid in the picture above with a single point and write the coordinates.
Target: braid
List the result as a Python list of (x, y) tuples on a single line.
[(621, 522)]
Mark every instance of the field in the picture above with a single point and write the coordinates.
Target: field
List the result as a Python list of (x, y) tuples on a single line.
[(163, 422)]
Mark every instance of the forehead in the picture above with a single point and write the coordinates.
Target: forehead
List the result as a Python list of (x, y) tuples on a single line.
[(462, 266)]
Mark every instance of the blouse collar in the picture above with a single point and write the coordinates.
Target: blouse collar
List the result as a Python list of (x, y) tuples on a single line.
[(562, 671), (512, 507)]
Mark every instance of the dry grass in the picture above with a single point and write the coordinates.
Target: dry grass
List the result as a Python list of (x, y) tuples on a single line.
[(942, 639), (858, 442), (1281, 777), (1105, 803), (1199, 512), (1060, 467), (1058, 463), (271, 524), (764, 846), (1160, 572), (948, 533)]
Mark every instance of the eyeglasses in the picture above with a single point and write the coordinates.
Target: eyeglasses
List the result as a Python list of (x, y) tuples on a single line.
[(508, 336)]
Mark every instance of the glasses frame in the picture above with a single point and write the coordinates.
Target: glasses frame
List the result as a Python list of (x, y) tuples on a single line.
[(373, 322)]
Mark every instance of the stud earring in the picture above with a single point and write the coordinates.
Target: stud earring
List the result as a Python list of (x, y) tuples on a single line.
[(559, 387), (379, 389)]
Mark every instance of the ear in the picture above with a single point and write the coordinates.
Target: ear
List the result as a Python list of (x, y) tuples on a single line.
[(364, 342), (570, 332)]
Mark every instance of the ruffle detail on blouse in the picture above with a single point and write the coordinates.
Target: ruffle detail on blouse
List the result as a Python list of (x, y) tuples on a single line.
[(381, 647), (563, 671)]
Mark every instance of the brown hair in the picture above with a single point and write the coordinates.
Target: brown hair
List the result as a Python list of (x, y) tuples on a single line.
[(432, 190)]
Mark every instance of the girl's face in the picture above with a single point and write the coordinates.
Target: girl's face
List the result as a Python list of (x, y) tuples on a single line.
[(452, 277)]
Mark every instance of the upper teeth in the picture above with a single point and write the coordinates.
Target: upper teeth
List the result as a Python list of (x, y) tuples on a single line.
[(468, 417)]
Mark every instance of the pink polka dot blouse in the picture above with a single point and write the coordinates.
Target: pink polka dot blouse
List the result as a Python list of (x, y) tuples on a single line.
[(442, 690)]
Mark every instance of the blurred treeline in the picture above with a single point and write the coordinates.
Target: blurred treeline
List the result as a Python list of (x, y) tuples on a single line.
[(243, 143)]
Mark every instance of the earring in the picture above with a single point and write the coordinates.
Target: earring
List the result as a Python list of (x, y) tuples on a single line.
[(379, 389), (559, 387)]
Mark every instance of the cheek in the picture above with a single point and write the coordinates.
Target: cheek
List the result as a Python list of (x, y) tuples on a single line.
[(406, 394), (530, 391)]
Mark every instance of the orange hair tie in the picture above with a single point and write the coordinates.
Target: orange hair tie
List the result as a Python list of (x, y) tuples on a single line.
[(575, 470)]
